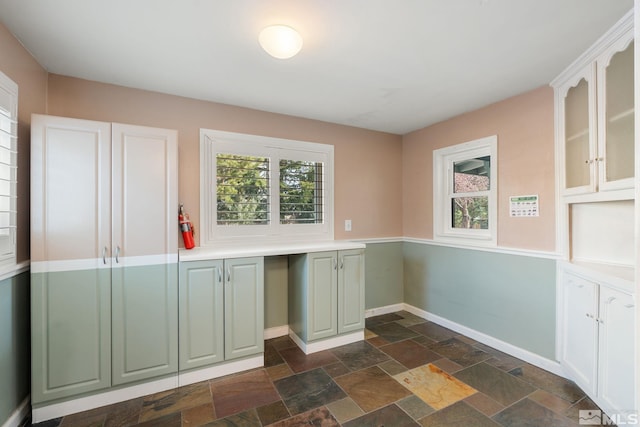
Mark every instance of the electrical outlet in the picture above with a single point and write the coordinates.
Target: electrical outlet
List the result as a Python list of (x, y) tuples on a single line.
[(347, 225)]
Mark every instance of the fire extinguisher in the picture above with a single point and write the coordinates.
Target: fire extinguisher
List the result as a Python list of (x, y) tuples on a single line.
[(186, 228)]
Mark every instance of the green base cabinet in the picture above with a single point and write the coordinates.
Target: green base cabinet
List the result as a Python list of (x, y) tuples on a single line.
[(70, 333), (350, 291), (326, 293), (144, 322), (221, 310), (201, 309)]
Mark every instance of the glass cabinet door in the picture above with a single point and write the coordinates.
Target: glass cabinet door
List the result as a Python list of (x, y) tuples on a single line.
[(617, 136), (577, 136)]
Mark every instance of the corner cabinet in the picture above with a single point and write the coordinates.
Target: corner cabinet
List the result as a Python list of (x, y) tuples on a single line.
[(597, 217), (104, 246), (326, 298), (221, 310), (598, 335), (595, 116)]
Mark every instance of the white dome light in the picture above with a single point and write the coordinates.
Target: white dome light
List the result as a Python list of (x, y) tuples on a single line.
[(280, 41)]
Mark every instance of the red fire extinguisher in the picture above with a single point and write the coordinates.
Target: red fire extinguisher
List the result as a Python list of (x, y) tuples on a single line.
[(186, 228)]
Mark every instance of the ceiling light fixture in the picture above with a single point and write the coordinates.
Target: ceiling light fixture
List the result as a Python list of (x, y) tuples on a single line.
[(280, 41)]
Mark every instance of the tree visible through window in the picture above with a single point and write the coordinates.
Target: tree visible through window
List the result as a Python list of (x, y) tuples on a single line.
[(465, 192), (301, 192), (257, 188), (470, 205), (242, 189)]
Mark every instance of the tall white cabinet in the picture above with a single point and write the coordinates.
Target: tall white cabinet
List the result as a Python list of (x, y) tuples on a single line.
[(103, 256), (596, 208)]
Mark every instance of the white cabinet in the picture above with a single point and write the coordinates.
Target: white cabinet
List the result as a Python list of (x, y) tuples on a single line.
[(221, 310), (595, 116), (616, 367), (597, 338), (326, 298), (103, 255)]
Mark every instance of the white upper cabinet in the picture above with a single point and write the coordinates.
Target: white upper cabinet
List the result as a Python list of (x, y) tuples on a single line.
[(595, 117)]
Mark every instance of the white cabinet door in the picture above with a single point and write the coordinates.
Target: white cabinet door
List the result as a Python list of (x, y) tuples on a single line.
[(616, 115), (577, 126), (580, 329), (70, 191), (70, 265), (145, 193), (616, 371), (145, 248)]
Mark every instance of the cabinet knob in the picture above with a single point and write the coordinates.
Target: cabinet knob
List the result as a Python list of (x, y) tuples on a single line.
[(219, 275), (104, 255), (117, 254)]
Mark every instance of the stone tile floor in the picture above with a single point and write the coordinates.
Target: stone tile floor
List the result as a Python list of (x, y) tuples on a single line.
[(408, 372)]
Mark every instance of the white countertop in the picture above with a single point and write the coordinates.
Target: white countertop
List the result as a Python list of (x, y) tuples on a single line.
[(621, 277), (265, 249)]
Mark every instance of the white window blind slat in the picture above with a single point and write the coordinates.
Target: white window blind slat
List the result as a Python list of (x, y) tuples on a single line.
[(8, 168)]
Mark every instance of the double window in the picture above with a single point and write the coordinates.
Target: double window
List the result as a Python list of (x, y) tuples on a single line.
[(264, 188), (465, 192)]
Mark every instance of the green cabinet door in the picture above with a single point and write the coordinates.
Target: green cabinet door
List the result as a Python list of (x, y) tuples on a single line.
[(350, 290), (70, 333), (322, 295), (144, 322), (201, 308), (244, 307)]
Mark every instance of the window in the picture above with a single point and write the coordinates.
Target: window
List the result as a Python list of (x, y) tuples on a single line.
[(465, 192), (301, 192), (8, 170), (264, 188)]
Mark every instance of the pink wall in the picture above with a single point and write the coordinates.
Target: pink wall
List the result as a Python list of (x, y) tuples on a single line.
[(368, 164), (31, 78), (524, 125)]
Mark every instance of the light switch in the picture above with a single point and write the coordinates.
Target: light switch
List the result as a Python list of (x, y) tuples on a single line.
[(347, 225)]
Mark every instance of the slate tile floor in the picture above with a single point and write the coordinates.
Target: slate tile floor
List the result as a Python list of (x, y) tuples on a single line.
[(408, 372)]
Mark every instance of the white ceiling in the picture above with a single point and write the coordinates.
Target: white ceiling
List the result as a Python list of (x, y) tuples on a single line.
[(388, 65)]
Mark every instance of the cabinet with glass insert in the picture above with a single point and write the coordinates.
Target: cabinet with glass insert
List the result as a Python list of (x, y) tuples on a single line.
[(595, 118)]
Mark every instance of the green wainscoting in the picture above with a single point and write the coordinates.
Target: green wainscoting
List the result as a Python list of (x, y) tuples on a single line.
[(383, 274), (15, 358), (275, 291), (509, 297)]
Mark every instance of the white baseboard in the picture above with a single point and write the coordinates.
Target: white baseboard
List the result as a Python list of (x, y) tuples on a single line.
[(220, 370), (326, 344), (19, 414), (384, 310), (61, 409), (529, 357)]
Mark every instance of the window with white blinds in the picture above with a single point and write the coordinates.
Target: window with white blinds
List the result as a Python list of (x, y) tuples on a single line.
[(264, 188), (301, 192), (242, 189), (8, 169)]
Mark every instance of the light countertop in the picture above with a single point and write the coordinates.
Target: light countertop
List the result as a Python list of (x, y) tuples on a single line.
[(265, 249)]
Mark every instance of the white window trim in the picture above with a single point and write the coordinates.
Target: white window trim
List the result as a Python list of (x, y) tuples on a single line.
[(443, 160), (8, 261), (214, 141)]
